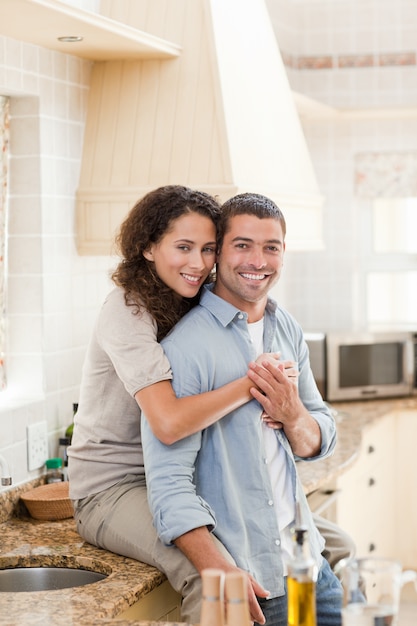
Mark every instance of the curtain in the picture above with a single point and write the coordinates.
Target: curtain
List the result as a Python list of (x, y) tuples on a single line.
[(4, 154)]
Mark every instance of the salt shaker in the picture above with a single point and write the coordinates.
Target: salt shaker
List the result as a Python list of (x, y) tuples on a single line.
[(212, 606), (237, 606)]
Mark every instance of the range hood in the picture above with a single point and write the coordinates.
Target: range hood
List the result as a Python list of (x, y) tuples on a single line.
[(220, 117)]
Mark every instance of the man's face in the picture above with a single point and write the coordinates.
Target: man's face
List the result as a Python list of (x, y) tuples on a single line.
[(250, 261)]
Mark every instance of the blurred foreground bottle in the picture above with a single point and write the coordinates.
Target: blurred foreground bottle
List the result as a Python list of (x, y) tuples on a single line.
[(212, 605), (301, 582)]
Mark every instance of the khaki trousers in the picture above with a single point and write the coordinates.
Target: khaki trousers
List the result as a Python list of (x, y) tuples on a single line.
[(118, 519)]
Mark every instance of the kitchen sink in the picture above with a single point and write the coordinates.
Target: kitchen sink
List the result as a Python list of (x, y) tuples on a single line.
[(48, 573), (45, 578)]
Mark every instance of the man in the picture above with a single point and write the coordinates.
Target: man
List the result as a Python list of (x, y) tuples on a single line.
[(238, 477)]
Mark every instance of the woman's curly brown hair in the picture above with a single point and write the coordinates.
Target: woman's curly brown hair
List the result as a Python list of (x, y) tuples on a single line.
[(146, 224)]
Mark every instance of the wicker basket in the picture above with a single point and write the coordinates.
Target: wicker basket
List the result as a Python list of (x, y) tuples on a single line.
[(49, 502)]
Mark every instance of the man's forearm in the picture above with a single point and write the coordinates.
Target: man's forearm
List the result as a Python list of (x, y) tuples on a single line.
[(198, 546), (304, 435)]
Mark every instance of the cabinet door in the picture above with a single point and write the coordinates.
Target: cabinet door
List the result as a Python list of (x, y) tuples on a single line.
[(365, 506), (162, 603), (406, 508)]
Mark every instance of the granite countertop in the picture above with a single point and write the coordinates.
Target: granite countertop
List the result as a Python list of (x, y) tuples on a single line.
[(24, 540)]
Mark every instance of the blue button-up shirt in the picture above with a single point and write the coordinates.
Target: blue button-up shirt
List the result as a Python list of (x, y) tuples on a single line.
[(218, 477)]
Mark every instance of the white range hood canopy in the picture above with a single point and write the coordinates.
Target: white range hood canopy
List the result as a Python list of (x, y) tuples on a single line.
[(220, 117)]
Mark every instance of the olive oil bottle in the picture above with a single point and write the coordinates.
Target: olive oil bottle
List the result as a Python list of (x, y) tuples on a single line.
[(301, 582)]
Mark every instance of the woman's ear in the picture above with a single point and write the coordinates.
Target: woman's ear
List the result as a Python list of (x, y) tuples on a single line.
[(148, 254)]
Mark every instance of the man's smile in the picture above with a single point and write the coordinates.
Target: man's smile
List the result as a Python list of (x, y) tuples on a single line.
[(254, 276)]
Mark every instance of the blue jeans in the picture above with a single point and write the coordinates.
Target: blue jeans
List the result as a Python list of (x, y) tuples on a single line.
[(328, 602)]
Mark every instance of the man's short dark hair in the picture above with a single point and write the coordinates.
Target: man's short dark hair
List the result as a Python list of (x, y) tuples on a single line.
[(248, 204)]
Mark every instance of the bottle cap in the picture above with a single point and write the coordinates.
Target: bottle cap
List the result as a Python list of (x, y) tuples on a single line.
[(53, 463)]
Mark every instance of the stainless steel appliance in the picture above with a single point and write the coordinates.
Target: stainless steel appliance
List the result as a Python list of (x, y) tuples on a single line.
[(354, 366)]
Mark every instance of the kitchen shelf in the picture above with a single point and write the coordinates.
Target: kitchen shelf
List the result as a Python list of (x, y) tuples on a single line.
[(41, 22)]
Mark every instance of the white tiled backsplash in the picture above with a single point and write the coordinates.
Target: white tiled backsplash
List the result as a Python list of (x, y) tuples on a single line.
[(54, 294)]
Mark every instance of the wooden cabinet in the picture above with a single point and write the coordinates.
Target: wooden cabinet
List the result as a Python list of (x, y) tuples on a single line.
[(406, 488), (366, 505), (161, 604)]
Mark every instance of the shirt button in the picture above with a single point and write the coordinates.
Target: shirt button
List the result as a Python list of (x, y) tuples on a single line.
[(270, 502), (277, 542), (240, 316)]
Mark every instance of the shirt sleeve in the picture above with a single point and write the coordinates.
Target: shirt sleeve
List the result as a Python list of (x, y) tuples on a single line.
[(169, 478), (129, 339), (170, 469)]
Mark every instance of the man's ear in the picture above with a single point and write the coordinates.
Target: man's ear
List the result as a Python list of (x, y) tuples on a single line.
[(148, 254)]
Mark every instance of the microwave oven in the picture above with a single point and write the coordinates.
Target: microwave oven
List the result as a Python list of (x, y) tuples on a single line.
[(357, 366)]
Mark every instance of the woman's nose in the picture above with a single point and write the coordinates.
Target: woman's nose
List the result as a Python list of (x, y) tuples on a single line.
[(196, 260)]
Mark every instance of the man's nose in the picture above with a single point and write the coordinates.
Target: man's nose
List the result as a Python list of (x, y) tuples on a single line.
[(257, 258)]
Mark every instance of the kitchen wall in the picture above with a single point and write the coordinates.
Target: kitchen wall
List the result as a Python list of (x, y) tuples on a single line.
[(358, 56), (54, 294)]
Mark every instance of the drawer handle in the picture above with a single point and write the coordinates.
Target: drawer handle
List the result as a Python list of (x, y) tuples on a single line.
[(371, 449), (371, 482), (372, 547)]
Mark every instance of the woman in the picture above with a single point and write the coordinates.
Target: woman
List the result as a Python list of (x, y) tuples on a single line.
[(168, 247)]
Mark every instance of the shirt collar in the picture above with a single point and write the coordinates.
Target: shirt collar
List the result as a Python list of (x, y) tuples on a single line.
[(224, 311)]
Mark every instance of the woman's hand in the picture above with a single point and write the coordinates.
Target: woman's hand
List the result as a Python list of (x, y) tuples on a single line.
[(270, 357)]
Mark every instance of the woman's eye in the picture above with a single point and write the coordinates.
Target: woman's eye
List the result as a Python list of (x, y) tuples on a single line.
[(185, 248), (209, 250)]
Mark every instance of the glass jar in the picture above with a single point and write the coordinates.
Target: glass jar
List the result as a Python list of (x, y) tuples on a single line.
[(54, 472)]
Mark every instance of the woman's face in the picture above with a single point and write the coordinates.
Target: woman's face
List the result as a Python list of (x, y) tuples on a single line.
[(186, 254)]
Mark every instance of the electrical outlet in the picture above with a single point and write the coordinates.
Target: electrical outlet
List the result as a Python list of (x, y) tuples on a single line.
[(37, 445)]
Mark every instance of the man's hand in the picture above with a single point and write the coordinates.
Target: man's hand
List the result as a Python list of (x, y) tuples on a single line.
[(277, 393), (200, 548)]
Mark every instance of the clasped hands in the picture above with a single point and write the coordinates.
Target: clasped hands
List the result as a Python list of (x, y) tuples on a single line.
[(276, 388)]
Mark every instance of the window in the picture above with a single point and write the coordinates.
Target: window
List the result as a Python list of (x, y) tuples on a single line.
[(392, 279), (395, 225)]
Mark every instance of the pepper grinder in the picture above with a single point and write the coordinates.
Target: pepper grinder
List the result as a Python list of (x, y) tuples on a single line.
[(212, 606), (237, 606)]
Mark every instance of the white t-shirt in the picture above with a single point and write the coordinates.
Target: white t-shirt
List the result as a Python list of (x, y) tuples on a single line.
[(275, 455)]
